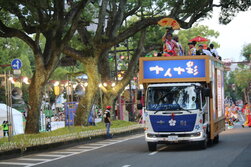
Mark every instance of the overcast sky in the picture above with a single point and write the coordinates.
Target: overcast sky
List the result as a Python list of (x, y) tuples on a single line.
[(233, 36)]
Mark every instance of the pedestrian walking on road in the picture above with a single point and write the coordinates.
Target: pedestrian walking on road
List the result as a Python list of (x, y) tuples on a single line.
[(5, 127), (107, 120)]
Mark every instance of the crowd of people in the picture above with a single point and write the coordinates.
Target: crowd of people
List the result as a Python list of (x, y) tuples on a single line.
[(233, 114), (172, 47)]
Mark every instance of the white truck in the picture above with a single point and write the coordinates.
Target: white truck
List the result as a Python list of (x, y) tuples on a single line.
[(183, 100)]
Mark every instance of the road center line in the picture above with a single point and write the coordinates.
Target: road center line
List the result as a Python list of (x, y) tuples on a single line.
[(155, 152), (15, 163)]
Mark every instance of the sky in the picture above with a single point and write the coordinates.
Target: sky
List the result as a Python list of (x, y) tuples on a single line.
[(233, 36)]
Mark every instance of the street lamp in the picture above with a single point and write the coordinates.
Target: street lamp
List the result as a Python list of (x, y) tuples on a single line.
[(85, 84), (105, 84), (26, 80)]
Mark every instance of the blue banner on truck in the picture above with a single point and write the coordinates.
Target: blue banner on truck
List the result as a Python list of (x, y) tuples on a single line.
[(163, 69)]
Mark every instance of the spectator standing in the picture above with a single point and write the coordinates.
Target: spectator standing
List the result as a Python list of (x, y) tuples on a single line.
[(107, 120), (234, 113), (247, 114), (5, 127)]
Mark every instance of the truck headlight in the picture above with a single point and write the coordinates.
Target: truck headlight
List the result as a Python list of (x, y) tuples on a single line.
[(151, 135)]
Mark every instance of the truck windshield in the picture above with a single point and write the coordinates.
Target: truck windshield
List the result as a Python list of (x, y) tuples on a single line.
[(172, 98)]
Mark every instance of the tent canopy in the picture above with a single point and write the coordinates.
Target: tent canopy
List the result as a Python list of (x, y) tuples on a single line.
[(18, 127)]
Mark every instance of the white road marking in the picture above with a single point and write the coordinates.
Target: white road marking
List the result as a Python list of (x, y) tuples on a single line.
[(152, 153), (95, 144), (155, 152), (48, 155), (83, 150), (76, 149), (126, 165), (63, 152), (84, 147), (15, 163), (105, 142), (32, 159)]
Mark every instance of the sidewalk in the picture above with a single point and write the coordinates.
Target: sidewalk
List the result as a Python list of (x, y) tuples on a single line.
[(12, 149)]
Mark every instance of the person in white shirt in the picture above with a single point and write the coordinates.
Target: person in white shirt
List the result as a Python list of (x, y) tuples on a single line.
[(213, 51), (202, 51)]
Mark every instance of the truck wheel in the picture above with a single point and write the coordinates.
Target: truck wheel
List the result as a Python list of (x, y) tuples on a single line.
[(203, 144), (152, 146)]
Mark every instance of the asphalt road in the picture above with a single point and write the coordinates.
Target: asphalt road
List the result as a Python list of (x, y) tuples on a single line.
[(234, 150)]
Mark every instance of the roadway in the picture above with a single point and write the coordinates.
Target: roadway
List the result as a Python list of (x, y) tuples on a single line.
[(233, 150)]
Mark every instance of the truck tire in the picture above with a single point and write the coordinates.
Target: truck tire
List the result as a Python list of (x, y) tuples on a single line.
[(203, 144), (152, 146), (216, 139)]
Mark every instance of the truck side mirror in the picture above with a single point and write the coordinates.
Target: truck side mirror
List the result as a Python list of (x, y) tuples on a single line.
[(139, 106), (139, 95), (206, 92)]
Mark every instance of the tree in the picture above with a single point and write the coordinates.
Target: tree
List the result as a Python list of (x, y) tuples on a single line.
[(246, 52), (56, 22), (112, 28), (15, 48), (243, 80)]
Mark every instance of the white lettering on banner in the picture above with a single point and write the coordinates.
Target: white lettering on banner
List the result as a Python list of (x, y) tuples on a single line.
[(191, 68), (179, 70), (195, 70), (168, 73), (157, 69)]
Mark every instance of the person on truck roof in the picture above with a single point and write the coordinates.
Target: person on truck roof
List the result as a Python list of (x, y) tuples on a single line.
[(202, 51), (169, 46), (192, 49), (180, 50)]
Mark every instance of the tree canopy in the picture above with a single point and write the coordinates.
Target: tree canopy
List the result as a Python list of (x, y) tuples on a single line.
[(246, 52)]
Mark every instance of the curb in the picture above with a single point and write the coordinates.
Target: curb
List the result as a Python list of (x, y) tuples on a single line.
[(64, 144)]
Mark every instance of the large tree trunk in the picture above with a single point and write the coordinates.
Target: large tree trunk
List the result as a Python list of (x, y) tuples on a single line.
[(92, 90), (245, 93), (35, 98), (108, 100)]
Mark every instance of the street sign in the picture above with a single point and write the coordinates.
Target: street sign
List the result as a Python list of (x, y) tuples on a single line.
[(16, 72), (16, 64)]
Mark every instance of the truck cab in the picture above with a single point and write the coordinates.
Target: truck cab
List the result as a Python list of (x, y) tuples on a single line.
[(176, 112)]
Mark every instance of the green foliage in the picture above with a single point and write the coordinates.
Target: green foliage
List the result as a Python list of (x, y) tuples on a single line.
[(14, 48), (246, 51), (26, 68), (197, 30), (228, 87), (59, 74), (229, 9), (242, 78)]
